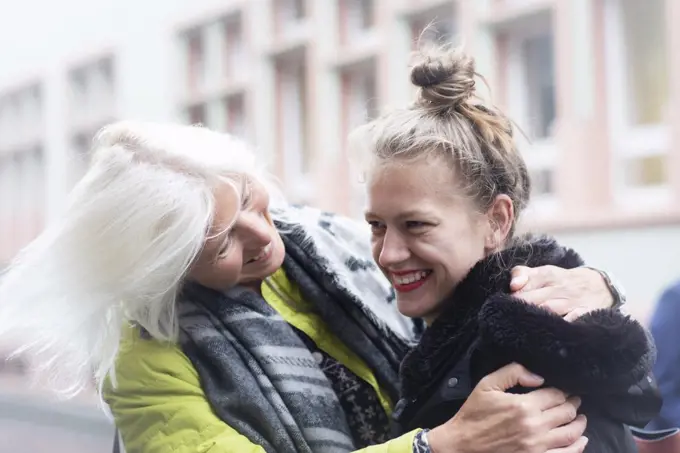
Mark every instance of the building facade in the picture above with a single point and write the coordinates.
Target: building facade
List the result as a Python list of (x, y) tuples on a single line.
[(594, 85)]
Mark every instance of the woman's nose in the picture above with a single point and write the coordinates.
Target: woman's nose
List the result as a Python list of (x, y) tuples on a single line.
[(393, 251), (254, 229)]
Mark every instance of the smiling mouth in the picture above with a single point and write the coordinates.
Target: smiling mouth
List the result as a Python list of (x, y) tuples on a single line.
[(264, 254), (408, 282)]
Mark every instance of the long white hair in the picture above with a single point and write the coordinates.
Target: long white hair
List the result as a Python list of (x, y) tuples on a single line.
[(132, 227)]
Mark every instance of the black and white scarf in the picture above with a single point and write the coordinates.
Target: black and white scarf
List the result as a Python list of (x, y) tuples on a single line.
[(257, 373)]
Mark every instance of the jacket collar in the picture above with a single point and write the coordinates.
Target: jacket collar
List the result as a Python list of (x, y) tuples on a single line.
[(603, 349)]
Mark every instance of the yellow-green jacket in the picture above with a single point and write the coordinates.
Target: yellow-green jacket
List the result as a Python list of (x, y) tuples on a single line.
[(159, 405)]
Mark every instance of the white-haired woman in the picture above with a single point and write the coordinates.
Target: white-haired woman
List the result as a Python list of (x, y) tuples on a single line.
[(216, 324)]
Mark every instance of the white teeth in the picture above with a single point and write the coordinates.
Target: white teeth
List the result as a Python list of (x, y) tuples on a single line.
[(410, 278), (262, 254)]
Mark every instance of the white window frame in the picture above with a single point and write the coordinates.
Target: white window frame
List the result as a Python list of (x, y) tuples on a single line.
[(518, 91), (542, 156), (293, 128), (236, 119), (629, 141), (354, 31), (100, 75), (33, 107), (198, 72), (292, 27), (359, 100), (234, 48), (539, 153)]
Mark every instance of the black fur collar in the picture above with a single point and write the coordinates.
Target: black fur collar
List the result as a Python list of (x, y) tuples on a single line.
[(603, 350)]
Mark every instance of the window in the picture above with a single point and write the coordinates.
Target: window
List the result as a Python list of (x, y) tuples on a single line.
[(30, 185), (539, 64), (80, 156), (92, 87), (292, 109), (21, 115), (22, 164), (542, 182), (646, 56), (647, 171), (436, 26), (294, 10), (195, 59), (21, 169), (289, 12), (637, 56), (362, 96), (38, 186), (22, 176), (528, 65), (33, 109), (234, 47), (5, 119), (103, 77), (361, 105), (358, 17), (79, 88), (103, 74), (197, 114), (236, 115)]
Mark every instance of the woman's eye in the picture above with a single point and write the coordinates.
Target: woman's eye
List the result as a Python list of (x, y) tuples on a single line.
[(411, 224), (375, 226), (246, 199), (224, 251)]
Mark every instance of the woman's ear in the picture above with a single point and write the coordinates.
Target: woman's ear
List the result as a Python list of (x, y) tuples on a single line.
[(501, 215)]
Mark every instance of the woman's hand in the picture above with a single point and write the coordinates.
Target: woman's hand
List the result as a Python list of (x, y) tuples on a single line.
[(492, 421), (568, 292)]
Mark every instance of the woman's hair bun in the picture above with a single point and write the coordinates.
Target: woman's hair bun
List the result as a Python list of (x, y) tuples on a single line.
[(446, 76)]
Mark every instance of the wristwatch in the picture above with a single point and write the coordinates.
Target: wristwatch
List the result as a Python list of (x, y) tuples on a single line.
[(614, 286)]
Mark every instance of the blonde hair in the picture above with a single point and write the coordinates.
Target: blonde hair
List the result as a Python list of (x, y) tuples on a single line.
[(450, 120), (133, 226)]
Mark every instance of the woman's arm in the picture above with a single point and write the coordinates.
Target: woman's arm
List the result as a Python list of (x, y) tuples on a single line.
[(159, 406), (492, 420), (570, 293)]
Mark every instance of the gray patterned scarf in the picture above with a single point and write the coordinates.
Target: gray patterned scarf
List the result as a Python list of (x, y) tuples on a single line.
[(257, 373)]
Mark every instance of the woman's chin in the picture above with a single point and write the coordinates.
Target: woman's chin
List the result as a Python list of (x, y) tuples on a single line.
[(414, 310)]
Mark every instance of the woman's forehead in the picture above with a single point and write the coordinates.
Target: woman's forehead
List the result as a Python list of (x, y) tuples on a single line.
[(227, 206)]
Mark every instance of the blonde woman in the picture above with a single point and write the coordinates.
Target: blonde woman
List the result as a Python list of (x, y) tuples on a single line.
[(446, 186)]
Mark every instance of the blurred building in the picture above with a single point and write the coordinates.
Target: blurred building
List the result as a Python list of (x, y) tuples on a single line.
[(594, 84)]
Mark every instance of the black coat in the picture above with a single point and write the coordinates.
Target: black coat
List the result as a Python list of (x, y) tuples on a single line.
[(604, 357)]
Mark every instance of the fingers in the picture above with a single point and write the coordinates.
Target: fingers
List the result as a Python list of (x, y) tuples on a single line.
[(575, 314), (520, 277), (529, 279), (562, 414), (550, 296), (578, 447), (570, 436), (560, 305), (547, 398), (556, 300), (509, 376)]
